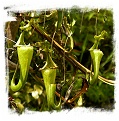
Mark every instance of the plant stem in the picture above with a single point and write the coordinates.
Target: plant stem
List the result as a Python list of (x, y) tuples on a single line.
[(69, 57)]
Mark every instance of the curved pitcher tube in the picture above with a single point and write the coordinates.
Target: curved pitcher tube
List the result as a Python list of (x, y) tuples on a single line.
[(96, 56), (25, 53), (49, 75)]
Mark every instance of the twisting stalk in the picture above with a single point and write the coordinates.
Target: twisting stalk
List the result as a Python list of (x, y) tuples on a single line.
[(69, 57)]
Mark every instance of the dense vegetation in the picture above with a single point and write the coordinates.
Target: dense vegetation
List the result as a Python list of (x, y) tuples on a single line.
[(66, 35)]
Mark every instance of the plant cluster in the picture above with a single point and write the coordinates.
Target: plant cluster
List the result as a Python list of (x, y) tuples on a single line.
[(61, 59)]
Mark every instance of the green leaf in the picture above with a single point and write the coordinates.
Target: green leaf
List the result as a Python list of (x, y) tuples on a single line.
[(60, 18), (39, 89), (17, 94), (27, 98), (35, 94)]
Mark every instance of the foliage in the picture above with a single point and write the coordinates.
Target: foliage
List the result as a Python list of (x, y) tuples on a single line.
[(74, 30)]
